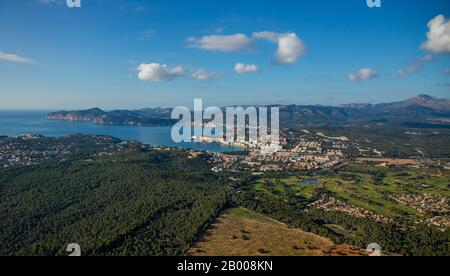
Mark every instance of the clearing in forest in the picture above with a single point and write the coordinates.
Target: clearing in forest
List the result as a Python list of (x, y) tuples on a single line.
[(240, 232)]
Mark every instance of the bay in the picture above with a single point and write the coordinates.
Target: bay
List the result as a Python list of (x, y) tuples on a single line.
[(16, 123)]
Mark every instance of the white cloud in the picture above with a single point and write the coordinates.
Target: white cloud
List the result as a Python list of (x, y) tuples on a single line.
[(242, 68), (202, 75), (415, 66), (270, 36), (160, 72), (224, 43), (363, 74), (438, 36), (14, 58), (290, 46)]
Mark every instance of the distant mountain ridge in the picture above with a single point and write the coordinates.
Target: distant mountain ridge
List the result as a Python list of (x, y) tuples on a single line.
[(420, 109), (419, 101)]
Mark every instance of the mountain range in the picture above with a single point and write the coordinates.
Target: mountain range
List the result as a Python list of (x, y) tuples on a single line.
[(422, 109)]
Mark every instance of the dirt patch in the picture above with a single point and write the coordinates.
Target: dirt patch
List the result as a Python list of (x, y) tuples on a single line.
[(388, 161), (240, 232)]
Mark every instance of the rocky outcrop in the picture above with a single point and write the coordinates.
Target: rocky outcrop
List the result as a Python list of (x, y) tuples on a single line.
[(116, 117)]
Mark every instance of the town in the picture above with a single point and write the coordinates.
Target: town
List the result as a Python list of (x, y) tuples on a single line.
[(29, 149), (297, 150)]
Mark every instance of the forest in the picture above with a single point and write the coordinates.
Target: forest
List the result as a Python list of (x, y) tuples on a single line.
[(129, 203)]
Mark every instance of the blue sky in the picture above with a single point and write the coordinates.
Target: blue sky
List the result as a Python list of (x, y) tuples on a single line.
[(135, 54)]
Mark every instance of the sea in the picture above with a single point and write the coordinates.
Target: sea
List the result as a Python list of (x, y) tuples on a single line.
[(16, 123)]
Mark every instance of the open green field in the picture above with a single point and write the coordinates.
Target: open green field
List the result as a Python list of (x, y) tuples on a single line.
[(279, 187), (367, 186)]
